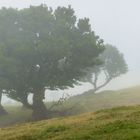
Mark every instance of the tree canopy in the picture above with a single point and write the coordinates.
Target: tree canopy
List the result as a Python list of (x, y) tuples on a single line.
[(44, 48)]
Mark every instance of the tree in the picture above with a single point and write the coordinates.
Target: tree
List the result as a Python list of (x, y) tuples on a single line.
[(113, 65), (42, 48)]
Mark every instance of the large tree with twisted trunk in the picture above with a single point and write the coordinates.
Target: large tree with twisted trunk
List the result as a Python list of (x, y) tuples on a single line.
[(42, 48)]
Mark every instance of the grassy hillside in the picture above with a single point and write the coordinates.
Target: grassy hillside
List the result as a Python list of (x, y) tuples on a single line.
[(121, 123), (87, 102), (17, 114), (105, 99)]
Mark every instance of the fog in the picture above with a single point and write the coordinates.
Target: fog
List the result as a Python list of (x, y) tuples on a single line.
[(116, 21)]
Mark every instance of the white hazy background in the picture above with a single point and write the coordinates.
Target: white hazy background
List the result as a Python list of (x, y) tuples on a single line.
[(116, 21)]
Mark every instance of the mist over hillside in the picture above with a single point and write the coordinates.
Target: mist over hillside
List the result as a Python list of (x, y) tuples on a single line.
[(63, 58), (118, 27)]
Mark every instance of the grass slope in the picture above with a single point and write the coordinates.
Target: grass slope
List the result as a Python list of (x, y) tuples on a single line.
[(106, 99), (16, 114), (87, 102), (121, 123)]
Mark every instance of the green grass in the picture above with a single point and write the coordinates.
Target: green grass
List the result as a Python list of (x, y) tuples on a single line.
[(121, 123), (106, 99), (16, 114), (87, 102)]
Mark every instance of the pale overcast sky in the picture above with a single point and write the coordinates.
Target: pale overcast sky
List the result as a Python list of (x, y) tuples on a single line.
[(116, 21)]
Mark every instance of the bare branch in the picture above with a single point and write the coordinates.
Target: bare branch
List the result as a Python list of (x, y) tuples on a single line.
[(61, 100)]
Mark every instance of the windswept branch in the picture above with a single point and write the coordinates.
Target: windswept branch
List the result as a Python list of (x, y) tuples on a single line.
[(95, 82), (102, 85)]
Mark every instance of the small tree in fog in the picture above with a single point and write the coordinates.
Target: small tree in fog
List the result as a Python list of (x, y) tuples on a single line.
[(113, 65)]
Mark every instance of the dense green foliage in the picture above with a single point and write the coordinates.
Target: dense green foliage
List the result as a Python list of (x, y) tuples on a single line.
[(41, 48)]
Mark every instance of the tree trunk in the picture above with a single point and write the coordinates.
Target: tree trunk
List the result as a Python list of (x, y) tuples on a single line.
[(26, 105), (2, 110), (24, 101), (96, 88), (39, 109)]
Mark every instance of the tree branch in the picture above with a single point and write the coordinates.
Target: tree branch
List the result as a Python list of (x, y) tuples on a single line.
[(60, 101), (108, 79), (104, 84)]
